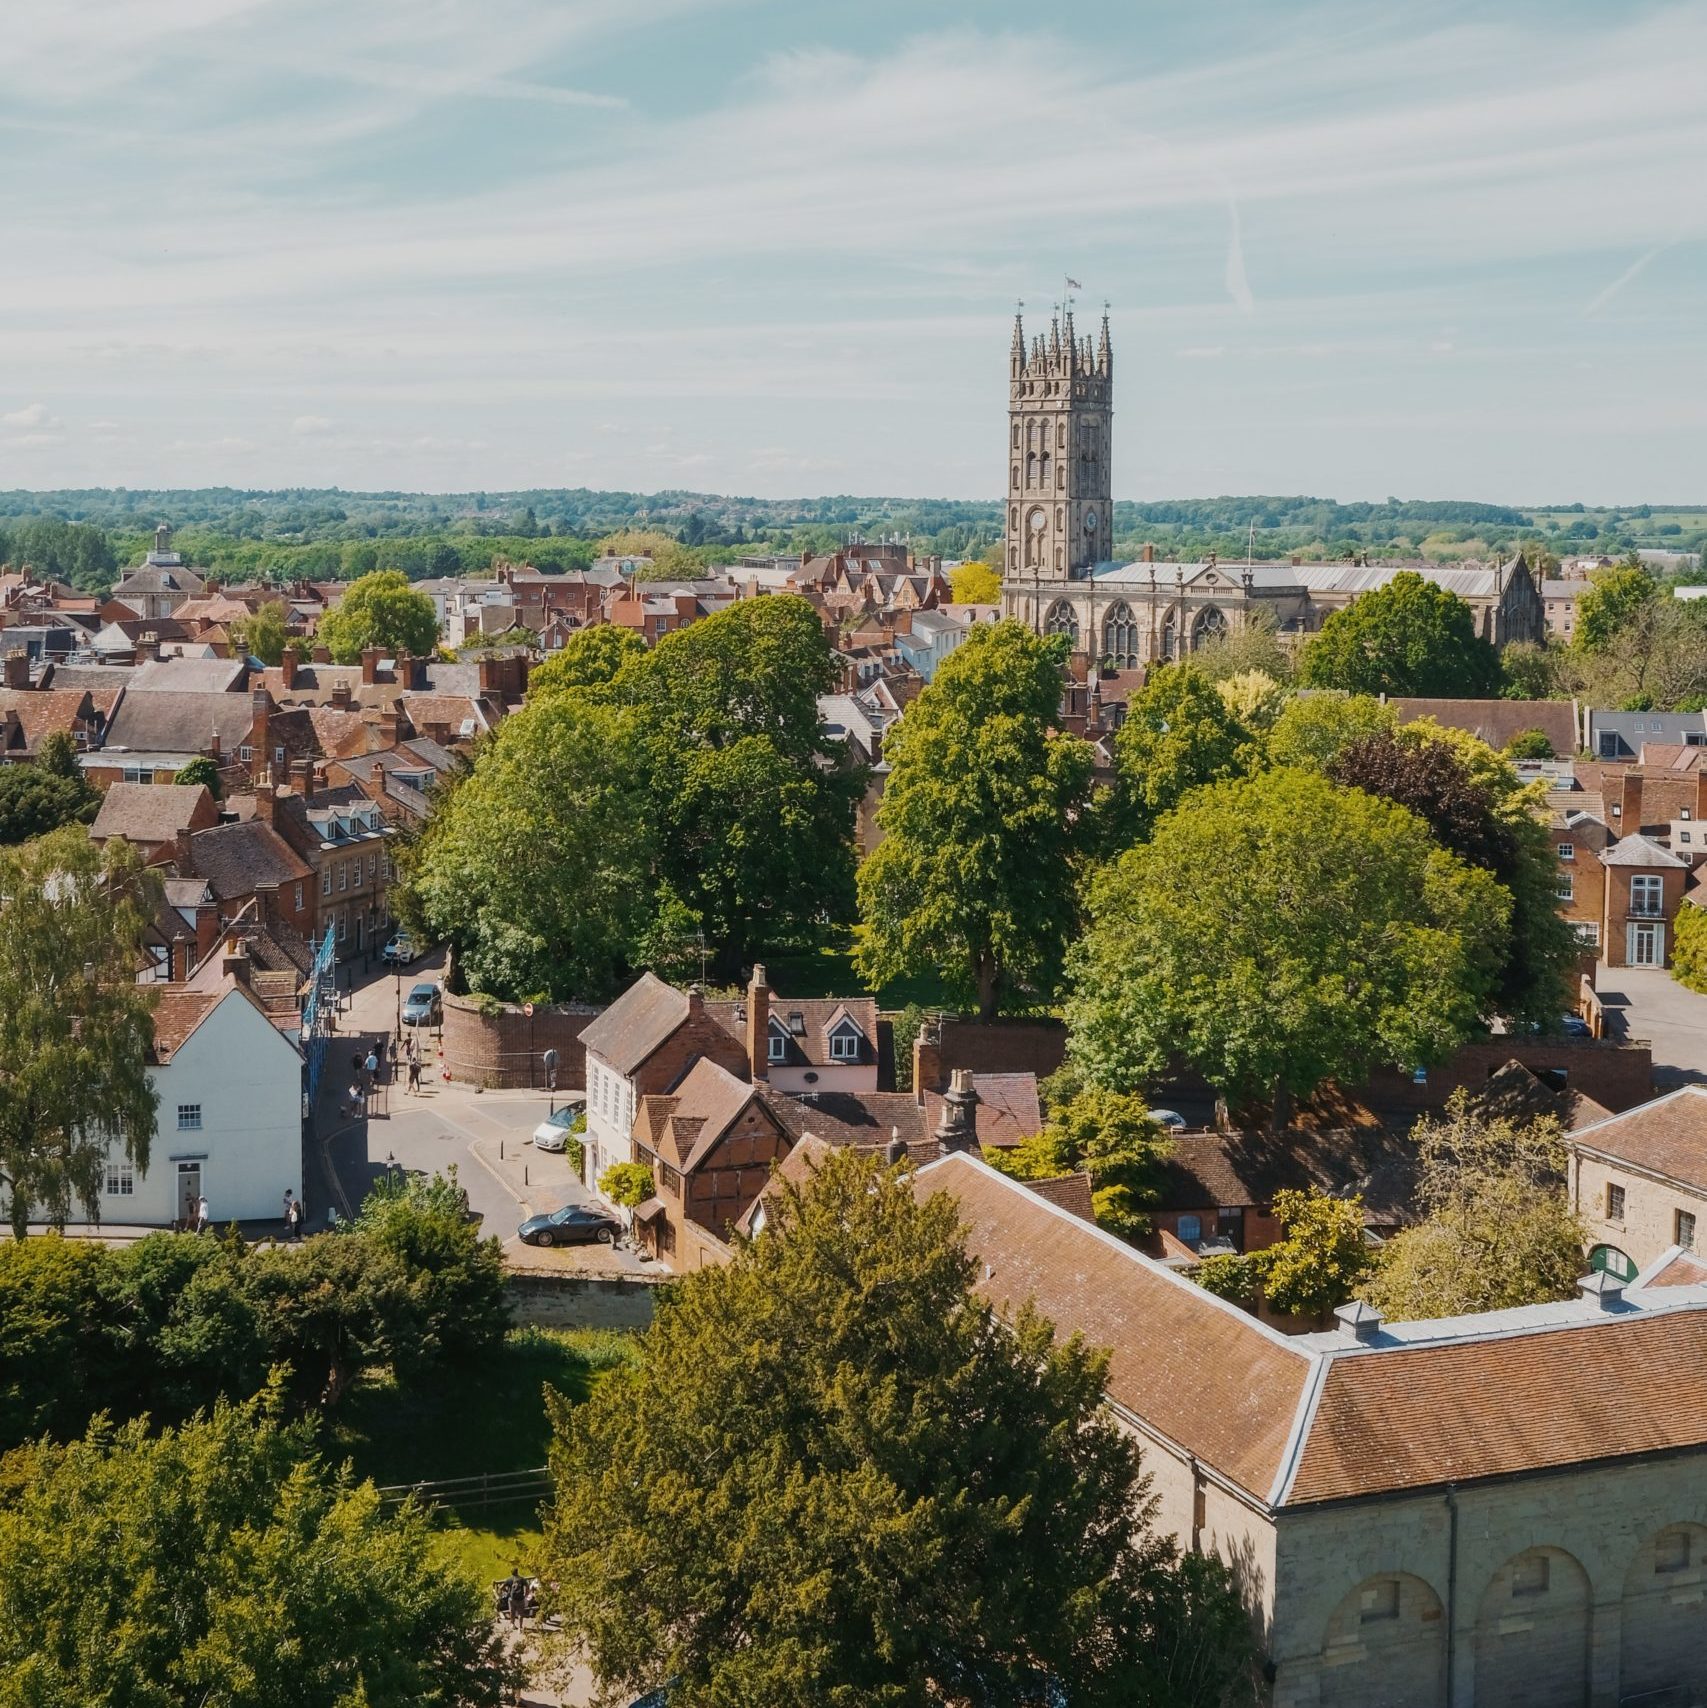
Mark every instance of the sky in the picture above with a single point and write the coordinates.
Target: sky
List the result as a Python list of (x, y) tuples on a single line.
[(774, 247)]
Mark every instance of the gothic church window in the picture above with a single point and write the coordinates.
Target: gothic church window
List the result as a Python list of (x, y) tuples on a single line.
[(1211, 625), (1062, 621), (1120, 637)]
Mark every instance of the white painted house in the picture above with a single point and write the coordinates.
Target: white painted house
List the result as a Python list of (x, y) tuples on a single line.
[(229, 1124)]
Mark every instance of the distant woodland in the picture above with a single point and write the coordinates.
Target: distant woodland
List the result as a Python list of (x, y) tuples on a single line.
[(87, 537)]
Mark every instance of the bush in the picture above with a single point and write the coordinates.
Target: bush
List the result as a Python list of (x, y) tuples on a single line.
[(1529, 744), (626, 1183), (1689, 950)]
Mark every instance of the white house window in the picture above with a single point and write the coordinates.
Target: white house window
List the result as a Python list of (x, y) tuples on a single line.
[(1567, 888), (1567, 851), (777, 1048), (325, 880), (1588, 934), (189, 1117), (278, 756), (245, 753), (844, 1046), (299, 898), (121, 1179), (1647, 894)]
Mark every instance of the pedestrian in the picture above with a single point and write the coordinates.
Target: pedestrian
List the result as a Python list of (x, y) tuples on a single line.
[(356, 1101), (372, 1066), (293, 1219), (356, 1063), (288, 1201), (414, 1074), (201, 1216)]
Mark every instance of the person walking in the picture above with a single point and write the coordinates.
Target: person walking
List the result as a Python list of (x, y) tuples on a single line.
[(293, 1219), (289, 1201), (372, 1067), (202, 1217), (414, 1075)]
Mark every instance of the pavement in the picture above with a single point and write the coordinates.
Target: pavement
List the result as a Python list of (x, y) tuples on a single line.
[(484, 1135), (1644, 1002)]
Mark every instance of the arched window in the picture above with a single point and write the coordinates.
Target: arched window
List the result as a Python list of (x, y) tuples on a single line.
[(1120, 637), (1062, 620), (1048, 463), (1170, 637), (1031, 468), (1619, 1265), (1211, 625)]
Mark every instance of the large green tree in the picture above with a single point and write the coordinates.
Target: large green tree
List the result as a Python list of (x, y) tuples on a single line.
[(1472, 800), (76, 1029), (1179, 733), (537, 866), (590, 658), (381, 610), (38, 798), (983, 823), (1312, 728), (266, 632), (1410, 637), (219, 1564), (921, 1502), (1616, 600), (1279, 932)]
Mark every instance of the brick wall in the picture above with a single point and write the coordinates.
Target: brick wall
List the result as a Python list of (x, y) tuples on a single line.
[(986, 1046), (698, 1035), (504, 1049), (1616, 1075)]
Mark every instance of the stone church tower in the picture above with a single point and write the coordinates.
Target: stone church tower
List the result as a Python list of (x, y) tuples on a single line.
[(1060, 506)]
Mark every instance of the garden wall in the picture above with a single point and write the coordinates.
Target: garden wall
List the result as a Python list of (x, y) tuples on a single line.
[(558, 1298), (503, 1049)]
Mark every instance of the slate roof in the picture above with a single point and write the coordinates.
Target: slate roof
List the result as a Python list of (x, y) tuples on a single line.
[(234, 858), (149, 813), (810, 1047), (174, 721), (1497, 721), (190, 675), (636, 1024), (1641, 851)]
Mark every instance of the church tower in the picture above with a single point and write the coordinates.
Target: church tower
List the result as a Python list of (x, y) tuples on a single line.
[(1060, 517)]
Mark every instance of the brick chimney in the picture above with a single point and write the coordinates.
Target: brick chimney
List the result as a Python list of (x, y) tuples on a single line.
[(266, 805), (696, 1003), (207, 927), (957, 1126), (287, 667), (370, 666), (405, 668), (321, 655), (267, 903), (758, 1025), (490, 674), (213, 747), (147, 647), (1149, 553), (341, 695), (302, 777), (260, 731), (17, 668), (181, 947)]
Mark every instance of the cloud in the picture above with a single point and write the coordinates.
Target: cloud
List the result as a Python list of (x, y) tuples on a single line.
[(312, 426), (1630, 274), (1238, 286), (31, 415)]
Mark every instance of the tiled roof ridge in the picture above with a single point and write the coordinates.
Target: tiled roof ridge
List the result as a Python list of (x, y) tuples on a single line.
[(1639, 1109)]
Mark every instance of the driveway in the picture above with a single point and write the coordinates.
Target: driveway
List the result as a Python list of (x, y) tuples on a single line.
[(1643, 1002)]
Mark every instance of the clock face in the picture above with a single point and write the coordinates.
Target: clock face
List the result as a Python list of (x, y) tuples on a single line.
[(1036, 521), (1091, 523)]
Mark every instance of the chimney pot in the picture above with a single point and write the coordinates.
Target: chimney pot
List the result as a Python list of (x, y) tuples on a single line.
[(370, 665), (957, 1127), (288, 660)]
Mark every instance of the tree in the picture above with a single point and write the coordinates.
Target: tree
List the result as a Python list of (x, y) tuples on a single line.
[(1111, 1136), (1279, 932), (537, 865), (1529, 670), (1407, 638), (670, 559), (1616, 599), (219, 1563), (201, 770), (1689, 947), (1179, 733), (1253, 697), (380, 610), (1313, 1268), (975, 584), (629, 1184), (924, 1502), (266, 632), (983, 822), (1312, 728), (1650, 648), (1254, 646), (76, 1032), (590, 658), (1498, 1229), (1530, 744), (753, 820), (40, 798)]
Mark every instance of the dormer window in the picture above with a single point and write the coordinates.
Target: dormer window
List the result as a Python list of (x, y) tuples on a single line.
[(845, 1042), (797, 1024), (776, 1047)]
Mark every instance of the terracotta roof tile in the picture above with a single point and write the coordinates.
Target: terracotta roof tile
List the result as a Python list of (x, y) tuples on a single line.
[(150, 813), (177, 1013), (1196, 1369), (1667, 1136), (636, 1023)]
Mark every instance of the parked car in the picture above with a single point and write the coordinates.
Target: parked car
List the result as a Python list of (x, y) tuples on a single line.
[(400, 951), (574, 1224), (552, 1134), (422, 1006), (1574, 1026), (1169, 1118)]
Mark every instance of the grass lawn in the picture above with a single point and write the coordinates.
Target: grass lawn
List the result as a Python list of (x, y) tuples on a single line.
[(490, 1419)]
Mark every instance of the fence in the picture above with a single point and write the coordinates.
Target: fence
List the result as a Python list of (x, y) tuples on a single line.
[(473, 1494)]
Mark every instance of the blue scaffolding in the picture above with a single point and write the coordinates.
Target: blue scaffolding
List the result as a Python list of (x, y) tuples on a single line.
[(320, 1011)]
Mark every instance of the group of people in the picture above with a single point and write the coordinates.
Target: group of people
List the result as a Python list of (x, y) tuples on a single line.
[(366, 1070)]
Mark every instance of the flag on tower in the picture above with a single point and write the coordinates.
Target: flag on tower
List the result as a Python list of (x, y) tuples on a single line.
[(1073, 284)]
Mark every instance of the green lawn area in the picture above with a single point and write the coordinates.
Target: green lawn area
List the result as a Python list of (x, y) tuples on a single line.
[(488, 1419)]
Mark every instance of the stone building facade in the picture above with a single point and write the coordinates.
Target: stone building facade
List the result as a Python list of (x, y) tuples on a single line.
[(1500, 1511), (1061, 577)]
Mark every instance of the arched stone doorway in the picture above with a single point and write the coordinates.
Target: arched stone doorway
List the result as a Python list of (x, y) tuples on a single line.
[(1385, 1647), (1663, 1630), (1532, 1633)]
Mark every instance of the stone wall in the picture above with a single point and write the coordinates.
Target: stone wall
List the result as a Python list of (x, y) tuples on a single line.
[(560, 1298), (503, 1050)]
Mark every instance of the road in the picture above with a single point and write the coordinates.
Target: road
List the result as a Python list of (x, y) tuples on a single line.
[(484, 1135), (1643, 1002)]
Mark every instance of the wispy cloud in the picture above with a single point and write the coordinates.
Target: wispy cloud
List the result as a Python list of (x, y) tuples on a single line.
[(1630, 274)]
